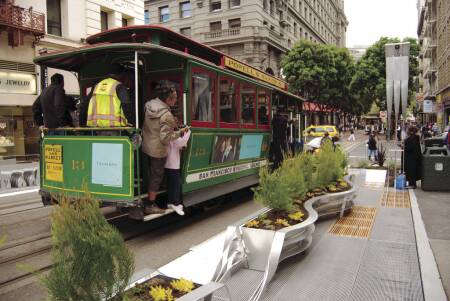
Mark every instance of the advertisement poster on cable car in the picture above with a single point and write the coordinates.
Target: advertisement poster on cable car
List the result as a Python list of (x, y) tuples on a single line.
[(226, 148)]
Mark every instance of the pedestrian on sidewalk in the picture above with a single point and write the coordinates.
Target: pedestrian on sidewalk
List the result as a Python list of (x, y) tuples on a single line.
[(372, 146), (412, 157), (352, 135), (173, 174)]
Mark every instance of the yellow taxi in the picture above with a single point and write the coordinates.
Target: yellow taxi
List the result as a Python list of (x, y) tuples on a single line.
[(319, 131)]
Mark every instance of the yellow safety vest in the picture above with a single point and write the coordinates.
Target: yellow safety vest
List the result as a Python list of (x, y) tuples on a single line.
[(105, 108)]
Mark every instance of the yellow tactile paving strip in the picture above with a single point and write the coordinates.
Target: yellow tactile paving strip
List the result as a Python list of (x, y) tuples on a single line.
[(358, 223), (395, 199)]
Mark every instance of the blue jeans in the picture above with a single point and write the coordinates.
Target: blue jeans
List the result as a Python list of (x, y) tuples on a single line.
[(374, 152)]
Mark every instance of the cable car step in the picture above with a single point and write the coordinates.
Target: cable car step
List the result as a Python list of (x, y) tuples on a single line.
[(138, 214)]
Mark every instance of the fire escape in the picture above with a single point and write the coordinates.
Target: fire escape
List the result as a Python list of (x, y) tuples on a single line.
[(19, 22)]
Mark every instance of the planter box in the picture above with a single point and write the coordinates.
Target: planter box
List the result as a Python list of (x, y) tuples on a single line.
[(200, 293), (262, 250)]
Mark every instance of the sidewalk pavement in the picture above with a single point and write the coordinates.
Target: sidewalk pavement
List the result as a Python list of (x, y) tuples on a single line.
[(393, 262), (435, 210)]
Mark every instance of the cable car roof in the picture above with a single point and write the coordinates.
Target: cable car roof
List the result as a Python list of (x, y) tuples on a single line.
[(74, 59)]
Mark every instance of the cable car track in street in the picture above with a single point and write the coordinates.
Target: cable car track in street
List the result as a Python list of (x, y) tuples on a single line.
[(34, 252)]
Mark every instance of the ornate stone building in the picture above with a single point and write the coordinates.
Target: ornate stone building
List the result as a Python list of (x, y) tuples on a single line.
[(257, 32)]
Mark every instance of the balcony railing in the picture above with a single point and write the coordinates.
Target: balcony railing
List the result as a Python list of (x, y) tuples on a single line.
[(224, 33), (27, 20)]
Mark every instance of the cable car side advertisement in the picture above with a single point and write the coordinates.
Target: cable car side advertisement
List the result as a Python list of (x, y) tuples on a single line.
[(53, 162)]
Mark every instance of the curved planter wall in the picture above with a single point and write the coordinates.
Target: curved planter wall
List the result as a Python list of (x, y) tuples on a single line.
[(204, 291), (263, 250)]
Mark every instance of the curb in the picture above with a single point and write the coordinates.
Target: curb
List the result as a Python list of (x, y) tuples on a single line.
[(433, 289)]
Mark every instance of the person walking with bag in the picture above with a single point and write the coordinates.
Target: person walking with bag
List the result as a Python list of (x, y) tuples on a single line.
[(352, 135)]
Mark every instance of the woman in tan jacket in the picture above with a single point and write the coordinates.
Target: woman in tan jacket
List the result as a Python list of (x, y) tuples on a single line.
[(158, 131)]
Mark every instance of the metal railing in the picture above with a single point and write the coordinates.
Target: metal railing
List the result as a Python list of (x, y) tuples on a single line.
[(21, 18), (224, 33)]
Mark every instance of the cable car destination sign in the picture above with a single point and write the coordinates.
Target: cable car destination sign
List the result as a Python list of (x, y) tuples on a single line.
[(255, 73)]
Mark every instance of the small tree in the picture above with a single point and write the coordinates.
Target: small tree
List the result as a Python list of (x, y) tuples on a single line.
[(306, 168), (292, 177), (91, 261), (272, 191), (329, 164)]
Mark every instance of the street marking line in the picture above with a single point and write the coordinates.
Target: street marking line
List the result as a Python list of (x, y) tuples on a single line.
[(358, 223)]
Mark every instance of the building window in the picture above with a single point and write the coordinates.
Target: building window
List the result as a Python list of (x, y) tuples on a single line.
[(185, 10), (265, 5), (103, 21), (146, 16), (234, 3), (124, 22), (54, 17), (295, 29), (215, 26), (164, 14), (234, 23), (186, 31), (216, 5)]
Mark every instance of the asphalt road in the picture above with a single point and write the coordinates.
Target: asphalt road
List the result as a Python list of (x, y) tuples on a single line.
[(153, 244)]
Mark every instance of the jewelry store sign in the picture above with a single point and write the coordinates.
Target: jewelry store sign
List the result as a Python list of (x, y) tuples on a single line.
[(17, 83)]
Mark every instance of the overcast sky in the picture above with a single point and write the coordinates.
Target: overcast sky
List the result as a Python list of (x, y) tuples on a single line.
[(371, 19)]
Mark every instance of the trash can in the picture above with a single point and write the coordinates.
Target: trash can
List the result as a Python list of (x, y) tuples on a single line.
[(436, 169), (437, 141)]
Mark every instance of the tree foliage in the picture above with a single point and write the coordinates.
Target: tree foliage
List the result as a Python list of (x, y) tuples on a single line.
[(91, 260), (320, 73), (369, 82)]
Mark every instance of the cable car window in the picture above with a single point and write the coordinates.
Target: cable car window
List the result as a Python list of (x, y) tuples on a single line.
[(203, 83), (248, 94), (228, 101), (263, 107)]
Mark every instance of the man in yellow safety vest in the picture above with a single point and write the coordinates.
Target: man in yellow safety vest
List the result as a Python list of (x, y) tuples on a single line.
[(109, 101)]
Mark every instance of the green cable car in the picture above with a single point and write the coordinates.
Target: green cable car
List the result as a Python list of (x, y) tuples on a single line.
[(227, 103)]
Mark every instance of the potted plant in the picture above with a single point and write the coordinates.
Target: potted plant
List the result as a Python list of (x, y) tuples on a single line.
[(294, 195)]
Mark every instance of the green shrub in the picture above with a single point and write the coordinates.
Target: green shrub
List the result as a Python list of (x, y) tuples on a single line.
[(329, 162), (306, 167), (272, 191), (91, 261), (291, 175)]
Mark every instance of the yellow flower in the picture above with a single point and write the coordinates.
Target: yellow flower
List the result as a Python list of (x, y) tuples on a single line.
[(252, 224), (296, 216), (169, 295), (182, 285), (283, 222), (158, 293)]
